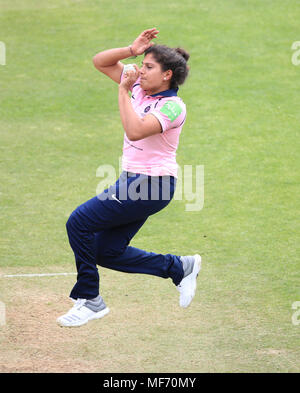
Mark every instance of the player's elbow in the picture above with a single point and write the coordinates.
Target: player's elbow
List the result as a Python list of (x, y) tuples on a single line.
[(136, 138), (97, 63), (142, 130), (133, 136), (135, 133)]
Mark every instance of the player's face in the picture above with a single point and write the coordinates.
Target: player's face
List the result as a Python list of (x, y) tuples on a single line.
[(152, 76)]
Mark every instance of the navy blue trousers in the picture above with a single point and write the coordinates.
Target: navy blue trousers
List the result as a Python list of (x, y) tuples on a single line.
[(100, 230)]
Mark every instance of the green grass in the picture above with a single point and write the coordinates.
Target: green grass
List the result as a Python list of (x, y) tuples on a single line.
[(59, 122)]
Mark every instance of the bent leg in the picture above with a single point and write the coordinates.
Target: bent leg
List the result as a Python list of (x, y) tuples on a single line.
[(106, 213), (113, 252), (90, 217)]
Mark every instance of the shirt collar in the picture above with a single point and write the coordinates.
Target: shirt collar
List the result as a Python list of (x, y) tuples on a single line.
[(166, 93)]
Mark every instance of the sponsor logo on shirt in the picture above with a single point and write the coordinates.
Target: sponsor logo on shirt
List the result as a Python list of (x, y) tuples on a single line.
[(172, 110)]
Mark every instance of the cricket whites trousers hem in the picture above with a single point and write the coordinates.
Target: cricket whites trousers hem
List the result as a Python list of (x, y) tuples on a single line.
[(100, 230)]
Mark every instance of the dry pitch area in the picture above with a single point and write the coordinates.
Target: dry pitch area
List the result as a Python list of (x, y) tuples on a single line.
[(124, 341), (144, 331)]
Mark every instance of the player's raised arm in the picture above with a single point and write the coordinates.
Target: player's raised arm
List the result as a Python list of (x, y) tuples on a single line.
[(109, 61)]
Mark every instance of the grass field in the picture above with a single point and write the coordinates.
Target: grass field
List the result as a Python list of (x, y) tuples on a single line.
[(59, 122)]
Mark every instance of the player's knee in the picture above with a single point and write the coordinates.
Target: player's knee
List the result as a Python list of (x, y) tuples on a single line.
[(111, 250), (72, 222)]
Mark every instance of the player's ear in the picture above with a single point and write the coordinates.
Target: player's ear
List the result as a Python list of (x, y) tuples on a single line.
[(168, 75)]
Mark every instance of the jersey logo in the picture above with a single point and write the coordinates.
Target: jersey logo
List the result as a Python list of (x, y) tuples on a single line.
[(172, 110)]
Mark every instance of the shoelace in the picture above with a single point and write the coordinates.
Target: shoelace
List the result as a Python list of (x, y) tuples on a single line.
[(79, 303)]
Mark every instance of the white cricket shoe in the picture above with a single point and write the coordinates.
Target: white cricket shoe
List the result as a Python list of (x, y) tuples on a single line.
[(80, 314), (187, 286)]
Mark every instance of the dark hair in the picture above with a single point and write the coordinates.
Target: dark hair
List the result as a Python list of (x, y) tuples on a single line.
[(174, 59)]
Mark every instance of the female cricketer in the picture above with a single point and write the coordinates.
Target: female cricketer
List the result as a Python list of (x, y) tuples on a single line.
[(101, 229)]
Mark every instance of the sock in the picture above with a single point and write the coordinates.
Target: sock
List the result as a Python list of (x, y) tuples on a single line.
[(97, 304), (188, 264)]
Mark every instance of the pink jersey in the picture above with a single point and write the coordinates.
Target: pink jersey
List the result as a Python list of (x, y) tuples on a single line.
[(155, 155)]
